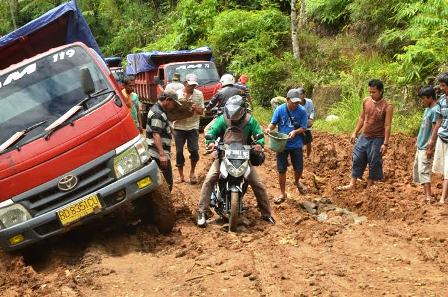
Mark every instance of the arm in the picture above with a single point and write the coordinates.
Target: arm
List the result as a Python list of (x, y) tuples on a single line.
[(158, 143), (387, 128), (218, 127), (255, 130), (213, 101), (359, 125), (274, 121), (198, 106), (432, 140), (311, 116)]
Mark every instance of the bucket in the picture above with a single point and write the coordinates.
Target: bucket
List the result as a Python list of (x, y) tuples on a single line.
[(277, 141)]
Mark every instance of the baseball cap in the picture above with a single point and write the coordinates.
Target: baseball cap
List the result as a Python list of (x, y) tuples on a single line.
[(176, 77), (171, 94), (191, 79), (294, 95)]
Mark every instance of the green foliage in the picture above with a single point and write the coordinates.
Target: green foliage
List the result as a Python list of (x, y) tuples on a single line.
[(242, 38), (328, 12)]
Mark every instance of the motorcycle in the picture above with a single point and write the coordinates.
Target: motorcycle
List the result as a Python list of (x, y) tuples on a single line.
[(228, 192)]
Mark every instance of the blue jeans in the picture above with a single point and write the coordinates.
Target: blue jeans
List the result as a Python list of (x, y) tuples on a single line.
[(296, 160), (367, 151)]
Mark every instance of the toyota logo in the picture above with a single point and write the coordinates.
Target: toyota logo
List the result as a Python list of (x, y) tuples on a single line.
[(67, 183)]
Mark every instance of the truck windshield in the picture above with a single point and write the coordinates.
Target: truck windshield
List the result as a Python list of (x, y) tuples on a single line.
[(45, 89), (205, 71)]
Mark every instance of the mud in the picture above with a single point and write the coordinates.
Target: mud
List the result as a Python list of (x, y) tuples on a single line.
[(381, 241)]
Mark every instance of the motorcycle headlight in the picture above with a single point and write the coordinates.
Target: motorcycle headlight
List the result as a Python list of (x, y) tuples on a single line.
[(236, 172), (13, 215), (132, 158)]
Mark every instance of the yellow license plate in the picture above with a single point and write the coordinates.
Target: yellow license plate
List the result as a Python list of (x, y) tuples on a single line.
[(83, 208)]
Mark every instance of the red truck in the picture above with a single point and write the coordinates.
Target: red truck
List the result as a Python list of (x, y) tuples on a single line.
[(154, 70), (69, 149)]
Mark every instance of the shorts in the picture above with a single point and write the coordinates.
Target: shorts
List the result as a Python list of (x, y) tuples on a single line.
[(440, 163), (367, 151), (307, 137), (422, 168), (296, 160)]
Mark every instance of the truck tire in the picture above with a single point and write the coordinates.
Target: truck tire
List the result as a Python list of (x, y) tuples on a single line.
[(157, 208), (163, 214)]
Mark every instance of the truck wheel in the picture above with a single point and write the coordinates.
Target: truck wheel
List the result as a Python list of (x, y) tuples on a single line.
[(161, 207), (157, 208)]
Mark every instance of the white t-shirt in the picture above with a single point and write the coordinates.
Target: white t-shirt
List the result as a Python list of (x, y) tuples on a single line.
[(192, 122)]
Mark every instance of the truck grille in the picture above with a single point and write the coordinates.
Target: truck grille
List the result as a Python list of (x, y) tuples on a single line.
[(89, 181)]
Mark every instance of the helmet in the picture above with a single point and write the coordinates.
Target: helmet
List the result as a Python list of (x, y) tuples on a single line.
[(256, 157), (235, 108), (227, 79)]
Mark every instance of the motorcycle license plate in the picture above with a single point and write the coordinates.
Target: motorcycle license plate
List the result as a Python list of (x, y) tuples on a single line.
[(237, 154), (78, 210)]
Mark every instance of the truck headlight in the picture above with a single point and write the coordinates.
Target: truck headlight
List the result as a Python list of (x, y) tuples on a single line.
[(131, 158), (13, 215), (126, 162)]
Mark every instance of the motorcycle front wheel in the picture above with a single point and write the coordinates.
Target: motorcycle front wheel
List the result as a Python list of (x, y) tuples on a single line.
[(234, 212)]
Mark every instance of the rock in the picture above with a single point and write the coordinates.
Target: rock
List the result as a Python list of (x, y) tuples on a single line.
[(309, 206), (247, 239), (180, 254), (226, 277), (358, 220), (247, 273), (322, 217), (252, 277)]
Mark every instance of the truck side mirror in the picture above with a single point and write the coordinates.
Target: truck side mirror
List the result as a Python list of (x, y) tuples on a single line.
[(157, 80), (87, 81)]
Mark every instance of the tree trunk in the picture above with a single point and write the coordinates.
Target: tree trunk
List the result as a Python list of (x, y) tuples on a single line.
[(302, 17), (294, 35)]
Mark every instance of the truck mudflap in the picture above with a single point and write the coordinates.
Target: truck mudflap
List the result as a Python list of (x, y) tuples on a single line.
[(102, 201)]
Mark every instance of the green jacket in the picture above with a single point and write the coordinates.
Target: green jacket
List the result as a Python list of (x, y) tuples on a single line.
[(251, 129)]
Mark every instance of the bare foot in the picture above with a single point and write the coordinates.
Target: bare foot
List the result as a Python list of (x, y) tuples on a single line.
[(442, 201), (279, 199)]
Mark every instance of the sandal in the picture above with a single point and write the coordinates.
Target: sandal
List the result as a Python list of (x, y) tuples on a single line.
[(302, 189), (279, 199)]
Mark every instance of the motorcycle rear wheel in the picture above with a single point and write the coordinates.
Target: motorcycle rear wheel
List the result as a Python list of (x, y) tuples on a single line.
[(234, 212)]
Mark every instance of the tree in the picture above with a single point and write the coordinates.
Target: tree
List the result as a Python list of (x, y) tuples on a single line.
[(294, 28)]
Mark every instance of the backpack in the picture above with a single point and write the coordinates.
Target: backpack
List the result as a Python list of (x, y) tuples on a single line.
[(235, 133)]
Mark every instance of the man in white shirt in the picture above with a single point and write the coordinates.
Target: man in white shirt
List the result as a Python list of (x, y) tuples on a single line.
[(187, 130)]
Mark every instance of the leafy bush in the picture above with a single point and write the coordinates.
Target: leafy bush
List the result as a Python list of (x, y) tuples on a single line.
[(328, 12)]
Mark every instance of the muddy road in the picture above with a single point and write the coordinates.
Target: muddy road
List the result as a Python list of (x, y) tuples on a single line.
[(378, 242)]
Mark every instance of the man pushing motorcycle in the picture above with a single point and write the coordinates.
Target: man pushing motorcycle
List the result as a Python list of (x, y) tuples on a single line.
[(235, 125)]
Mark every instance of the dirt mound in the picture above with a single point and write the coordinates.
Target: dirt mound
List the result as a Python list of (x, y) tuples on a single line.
[(376, 241)]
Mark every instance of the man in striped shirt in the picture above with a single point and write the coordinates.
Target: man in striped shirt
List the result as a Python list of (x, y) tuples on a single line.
[(158, 132)]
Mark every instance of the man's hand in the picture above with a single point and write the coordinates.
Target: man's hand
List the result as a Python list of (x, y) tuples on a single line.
[(163, 161), (292, 134), (210, 146), (267, 131), (258, 148), (383, 149), (353, 138), (310, 123)]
